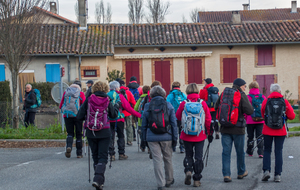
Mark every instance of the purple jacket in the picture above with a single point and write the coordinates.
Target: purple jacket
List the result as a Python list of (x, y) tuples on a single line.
[(249, 120)]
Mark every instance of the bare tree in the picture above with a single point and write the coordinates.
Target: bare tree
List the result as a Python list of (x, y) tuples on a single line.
[(135, 13), (184, 20), (20, 25), (194, 14), (76, 11), (102, 15), (158, 10), (108, 13)]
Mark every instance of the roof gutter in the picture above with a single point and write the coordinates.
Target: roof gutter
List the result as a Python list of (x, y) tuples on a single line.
[(93, 55)]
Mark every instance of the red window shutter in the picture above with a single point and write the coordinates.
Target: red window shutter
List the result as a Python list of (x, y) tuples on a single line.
[(132, 69), (265, 82), (233, 69), (166, 81), (198, 71), (261, 57), (226, 70), (191, 77), (260, 79), (269, 79), (158, 70), (265, 55), (128, 72)]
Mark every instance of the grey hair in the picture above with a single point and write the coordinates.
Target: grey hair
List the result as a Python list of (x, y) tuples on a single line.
[(275, 88), (114, 85), (157, 91), (29, 85)]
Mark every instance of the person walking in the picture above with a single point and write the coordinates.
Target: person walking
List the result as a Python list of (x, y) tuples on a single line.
[(117, 124), (233, 102), (210, 95), (89, 85), (255, 121), (29, 108), (275, 110), (194, 143), (160, 131), (98, 131), (70, 103), (175, 98)]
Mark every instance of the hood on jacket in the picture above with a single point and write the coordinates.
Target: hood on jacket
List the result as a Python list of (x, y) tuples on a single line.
[(75, 86), (208, 86), (101, 94), (193, 97), (157, 91), (275, 95), (133, 85), (254, 91), (124, 87)]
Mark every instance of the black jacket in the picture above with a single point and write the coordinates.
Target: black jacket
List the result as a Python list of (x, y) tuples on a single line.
[(88, 92), (30, 100), (245, 107), (112, 113), (133, 85)]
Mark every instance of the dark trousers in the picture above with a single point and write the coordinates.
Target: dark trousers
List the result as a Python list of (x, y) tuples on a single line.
[(214, 123), (144, 144), (191, 149), (99, 148), (29, 118), (73, 124), (257, 129), (179, 132), (119, 128), (278, 141)]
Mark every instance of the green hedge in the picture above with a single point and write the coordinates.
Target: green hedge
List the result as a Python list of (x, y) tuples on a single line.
[(45, 89), (5, 94), (5, 104)]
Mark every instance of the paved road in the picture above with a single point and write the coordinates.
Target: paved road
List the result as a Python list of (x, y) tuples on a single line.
[(48, 169)]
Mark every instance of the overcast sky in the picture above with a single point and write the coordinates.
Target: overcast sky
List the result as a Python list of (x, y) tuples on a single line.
[(177, 8)]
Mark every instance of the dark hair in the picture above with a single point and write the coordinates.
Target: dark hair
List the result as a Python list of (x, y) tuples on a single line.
[(146, 89)]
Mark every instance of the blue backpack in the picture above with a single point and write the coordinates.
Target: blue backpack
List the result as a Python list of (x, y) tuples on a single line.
[(71, 103), (135, 93), (256, 103), (212, 97), (115, 99), (38, 99), (178, 97)]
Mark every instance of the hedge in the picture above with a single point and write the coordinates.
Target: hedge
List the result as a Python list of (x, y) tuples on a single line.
[(5, 104), (45, 89), (5, 94)]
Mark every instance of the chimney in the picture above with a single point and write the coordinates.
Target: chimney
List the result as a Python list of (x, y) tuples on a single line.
[(82, 17), (294, 7), (245, 7), (53, 8), (236, 18)]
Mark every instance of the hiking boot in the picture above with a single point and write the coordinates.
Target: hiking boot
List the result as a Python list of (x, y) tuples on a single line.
[(113, 158), (129, 143), (122, 157), (261, 156), (227, 179), (182, 150), (169, 184), (68, 152), (150, 155), (242, 176), (80, 156), (197, 183), (97, 186), (277, 178), (142, 149), (217, 136), (266, 176), (188, 178)]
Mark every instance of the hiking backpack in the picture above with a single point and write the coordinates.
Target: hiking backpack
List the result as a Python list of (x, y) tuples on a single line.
[(256, 104), (97, 111), (158, 116), (38, 99), (193, 117), (71, 102), (123, 92), (228, 110), (178, 97), (212, 97), (143, 101), (275, 113), (135, 93), (115, 99)]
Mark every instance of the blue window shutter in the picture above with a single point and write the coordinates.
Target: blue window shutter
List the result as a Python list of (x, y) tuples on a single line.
[(2, 73), (52, 72)]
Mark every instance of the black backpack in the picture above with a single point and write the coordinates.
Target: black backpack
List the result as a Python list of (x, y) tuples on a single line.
[(158, 116), (212, 97), (123, 92), (275, 113)]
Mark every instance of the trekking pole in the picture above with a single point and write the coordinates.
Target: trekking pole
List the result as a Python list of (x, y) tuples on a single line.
[(89, 158), (287, 129), (257, 143), (206, 155), (138, 138)]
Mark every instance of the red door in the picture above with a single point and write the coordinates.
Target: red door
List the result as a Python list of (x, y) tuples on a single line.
[(229, 70), (265, 82), (132, 69), (162, 74), (195, 71)]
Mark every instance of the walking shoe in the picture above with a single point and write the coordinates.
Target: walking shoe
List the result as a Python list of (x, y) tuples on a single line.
[(142, 149), (261, 156), (150, 155), (80, 156), (227, 179), (97, 186), (277, 178), (217, 136), (242, 176), (250, 155), (188, 178), (266, 176), (129, 143), (113, 158), (181, 149), (169, 184), (68, 152), (122, 157), (197, 183), (134, 139)]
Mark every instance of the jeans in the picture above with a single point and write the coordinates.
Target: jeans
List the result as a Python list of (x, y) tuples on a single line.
[(239, 141), (99, 148), (259, 141), (29, 118), (278, 141), (189, 163), (121, 141)]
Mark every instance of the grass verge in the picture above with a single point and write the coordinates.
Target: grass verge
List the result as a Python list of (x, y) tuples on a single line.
[(296, 120)]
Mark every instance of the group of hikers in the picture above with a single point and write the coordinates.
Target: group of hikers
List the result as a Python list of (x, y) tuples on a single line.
[(162, 120)]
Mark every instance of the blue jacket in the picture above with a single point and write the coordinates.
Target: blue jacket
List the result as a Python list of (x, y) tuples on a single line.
[(170, 97), (149, 136)]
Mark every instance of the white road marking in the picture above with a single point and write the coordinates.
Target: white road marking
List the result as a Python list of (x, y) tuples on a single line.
[(59, 152), (25, 163)]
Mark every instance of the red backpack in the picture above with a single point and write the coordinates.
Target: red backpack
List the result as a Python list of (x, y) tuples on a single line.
[(228, 110)]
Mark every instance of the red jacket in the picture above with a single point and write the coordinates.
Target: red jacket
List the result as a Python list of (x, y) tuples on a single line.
[(290, 114), (130, 99), (202, 135), (81, 100), (204, 94)]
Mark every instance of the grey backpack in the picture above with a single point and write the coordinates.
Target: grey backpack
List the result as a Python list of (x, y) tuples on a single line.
[(71, 102)]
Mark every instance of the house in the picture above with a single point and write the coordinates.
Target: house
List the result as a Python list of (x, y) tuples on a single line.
[(265, 51)]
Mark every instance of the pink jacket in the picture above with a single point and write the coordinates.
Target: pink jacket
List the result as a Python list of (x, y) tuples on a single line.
[(249, 120)]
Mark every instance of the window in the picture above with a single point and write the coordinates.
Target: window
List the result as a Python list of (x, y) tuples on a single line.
[(52, 72), (90, 73), (265, 55), (230, 68), (194, 70), (2, 72), (133, 68)]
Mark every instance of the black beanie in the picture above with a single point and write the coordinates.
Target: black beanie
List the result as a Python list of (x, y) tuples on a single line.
[(133, 78), (122, 83), (118, 79), (239, 82)]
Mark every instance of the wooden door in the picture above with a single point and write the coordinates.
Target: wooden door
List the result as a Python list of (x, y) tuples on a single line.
[(265, 82), (229, 70), (163, 73), (195, 71), (132, 68)]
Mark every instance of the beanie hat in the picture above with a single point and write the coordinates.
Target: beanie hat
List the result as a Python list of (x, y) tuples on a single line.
[(118, 79), (208, 80), (122, 83), (78, 83), (239, 82), (133, 78)]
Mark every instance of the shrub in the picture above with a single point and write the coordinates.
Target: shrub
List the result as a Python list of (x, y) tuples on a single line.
[(45, 89), (5, 104), (114, 74)]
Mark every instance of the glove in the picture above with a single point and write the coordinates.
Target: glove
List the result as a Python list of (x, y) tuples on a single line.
[(174, 143), (210, 138)]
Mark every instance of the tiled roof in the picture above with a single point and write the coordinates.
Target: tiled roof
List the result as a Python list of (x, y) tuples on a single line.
[(57, 16), (101, 39), (251, 15)]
